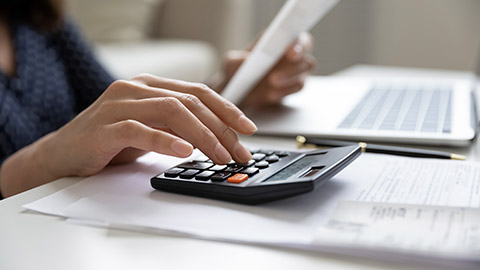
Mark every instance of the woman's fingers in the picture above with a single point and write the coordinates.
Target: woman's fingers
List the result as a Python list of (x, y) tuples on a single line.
[(288, 80), (131, 133), (148, 111), (301, 47), (288, 75), (238, 151), (195, 116), (227, 137), (214, 138), (225, 110)]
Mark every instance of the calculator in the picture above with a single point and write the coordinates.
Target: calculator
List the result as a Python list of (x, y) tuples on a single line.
[(270, 175)]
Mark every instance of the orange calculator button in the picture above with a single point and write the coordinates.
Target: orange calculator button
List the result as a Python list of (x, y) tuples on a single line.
[(237, 178)]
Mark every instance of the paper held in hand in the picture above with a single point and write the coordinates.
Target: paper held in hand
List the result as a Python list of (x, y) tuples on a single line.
[(295, 17)]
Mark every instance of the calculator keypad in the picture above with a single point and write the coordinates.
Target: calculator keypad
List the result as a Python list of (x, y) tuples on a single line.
[(271, 175), (203, 169)]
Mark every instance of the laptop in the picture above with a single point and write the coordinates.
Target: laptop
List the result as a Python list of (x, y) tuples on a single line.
[(393, 105)]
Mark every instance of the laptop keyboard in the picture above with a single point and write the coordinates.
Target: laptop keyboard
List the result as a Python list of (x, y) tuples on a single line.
[(410, 108)]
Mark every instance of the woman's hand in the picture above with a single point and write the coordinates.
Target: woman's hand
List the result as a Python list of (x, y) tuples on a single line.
[(147, 113), (286, 77)]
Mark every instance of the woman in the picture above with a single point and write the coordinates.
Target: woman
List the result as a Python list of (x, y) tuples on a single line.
[(62, 114)]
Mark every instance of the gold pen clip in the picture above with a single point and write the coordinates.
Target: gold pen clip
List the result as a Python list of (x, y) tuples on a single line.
[(301, 143), (363, 145)]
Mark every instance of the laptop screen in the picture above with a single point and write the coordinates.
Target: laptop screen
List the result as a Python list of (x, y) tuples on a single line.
[(476, 89)]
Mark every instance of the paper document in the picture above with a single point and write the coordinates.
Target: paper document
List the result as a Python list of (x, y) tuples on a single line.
[(414, 229), (121, 197), (295, 17), (425, 182)]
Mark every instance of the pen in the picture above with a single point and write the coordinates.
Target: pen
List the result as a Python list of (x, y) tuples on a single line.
[(380, 149)]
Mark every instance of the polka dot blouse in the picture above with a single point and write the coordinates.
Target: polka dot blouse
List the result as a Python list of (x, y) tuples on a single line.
[(57, 76)]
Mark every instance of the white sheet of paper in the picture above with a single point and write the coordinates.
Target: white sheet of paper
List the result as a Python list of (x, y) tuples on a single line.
[(413, 229), (295, 17), (122, 197)]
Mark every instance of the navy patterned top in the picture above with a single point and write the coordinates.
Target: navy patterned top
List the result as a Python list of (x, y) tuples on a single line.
[(57, 76)]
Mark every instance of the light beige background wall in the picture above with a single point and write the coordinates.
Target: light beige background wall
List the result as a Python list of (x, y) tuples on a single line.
[(442, 34), (425, 33)]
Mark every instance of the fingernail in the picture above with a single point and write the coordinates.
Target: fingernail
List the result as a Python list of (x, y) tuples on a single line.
[(298, 51), (222, 154), (247, 124), (242, 153), (298, 48), (182, 148)]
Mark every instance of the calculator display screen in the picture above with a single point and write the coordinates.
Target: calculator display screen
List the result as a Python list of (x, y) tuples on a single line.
[(292, 169)]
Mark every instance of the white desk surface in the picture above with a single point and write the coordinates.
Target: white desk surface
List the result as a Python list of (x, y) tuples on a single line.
[(30, 240)]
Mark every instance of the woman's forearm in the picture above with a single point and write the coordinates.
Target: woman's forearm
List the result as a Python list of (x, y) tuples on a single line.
[(26, 169)]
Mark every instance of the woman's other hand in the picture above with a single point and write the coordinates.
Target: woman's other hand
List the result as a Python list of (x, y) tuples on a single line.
[(286, 77)]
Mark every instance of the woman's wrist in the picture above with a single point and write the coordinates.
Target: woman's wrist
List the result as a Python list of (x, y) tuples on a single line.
[(45, 157), (27, 168)]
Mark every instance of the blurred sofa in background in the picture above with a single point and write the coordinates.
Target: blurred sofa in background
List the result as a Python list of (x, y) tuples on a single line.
[(125, 38)]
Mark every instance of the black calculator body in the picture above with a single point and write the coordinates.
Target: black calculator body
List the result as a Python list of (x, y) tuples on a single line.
[(270, 175)]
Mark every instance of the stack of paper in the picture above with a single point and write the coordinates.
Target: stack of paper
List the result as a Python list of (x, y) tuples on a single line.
[(404, 208)]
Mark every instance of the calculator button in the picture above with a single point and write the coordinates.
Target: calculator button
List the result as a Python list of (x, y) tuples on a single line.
[(282, 153), (237, 178), (202, 158), (253, 150), (233, 168), (218, 168), (250, 171), (262, 164), (272, 158), (173, 172), (188, 174), (267, 152), (258, 156), (196, 165), (204, 176), (248, 164), (220, 176)]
